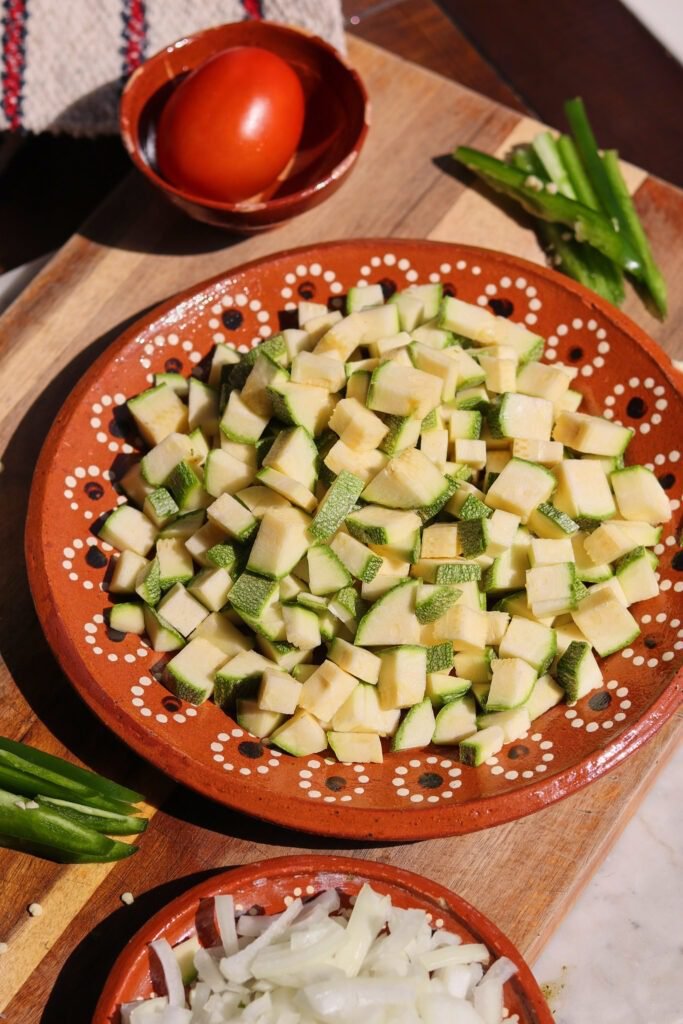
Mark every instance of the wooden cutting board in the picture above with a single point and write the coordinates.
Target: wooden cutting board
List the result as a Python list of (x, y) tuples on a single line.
[(135, 251)]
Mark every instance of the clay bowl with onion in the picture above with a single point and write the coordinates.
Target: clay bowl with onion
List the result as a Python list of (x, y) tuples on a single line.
[(334, 128), (266, 886)]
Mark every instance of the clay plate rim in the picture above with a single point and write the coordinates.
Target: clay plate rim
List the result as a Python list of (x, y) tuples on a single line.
[(331, 820), (276, 871)]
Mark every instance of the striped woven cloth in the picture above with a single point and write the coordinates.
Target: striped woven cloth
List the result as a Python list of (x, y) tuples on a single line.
[(64, 61)]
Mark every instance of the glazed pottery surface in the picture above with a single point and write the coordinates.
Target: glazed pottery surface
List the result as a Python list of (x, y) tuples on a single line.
[(268, 886), (335, 125), (416, 793)]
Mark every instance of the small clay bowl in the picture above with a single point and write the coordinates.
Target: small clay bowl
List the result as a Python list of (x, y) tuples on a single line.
[(267, 884), (335, 125)]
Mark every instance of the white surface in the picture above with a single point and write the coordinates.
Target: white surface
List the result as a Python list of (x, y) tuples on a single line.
[(617, 958), (664, 19)]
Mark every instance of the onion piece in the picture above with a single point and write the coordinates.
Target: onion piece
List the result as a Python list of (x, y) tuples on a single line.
[(225, 919), (175, 990), (238, 966)]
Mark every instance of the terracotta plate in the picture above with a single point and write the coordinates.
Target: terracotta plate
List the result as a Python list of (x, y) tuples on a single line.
[(269, 885), (414, 794)]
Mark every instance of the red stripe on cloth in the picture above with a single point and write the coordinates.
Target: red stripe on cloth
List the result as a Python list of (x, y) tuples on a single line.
[(253, 9), (13, 59), (134, 17)]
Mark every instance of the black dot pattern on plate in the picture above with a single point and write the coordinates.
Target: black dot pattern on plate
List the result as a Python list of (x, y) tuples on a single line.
[(576, 353), (636, 408), (94, 490), (677, 561), (335, 783), (650, 642), (502, 307), (430, 780), (306, 290), (171, 704), (96, 558), (115, 635), (232, 319), (388, 287), (173, 365), (667, 480), (519, 750), (600, 701), (250, 749), (450, 289)]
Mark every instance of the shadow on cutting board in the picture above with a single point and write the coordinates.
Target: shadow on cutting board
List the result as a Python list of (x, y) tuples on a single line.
[(80, 982)]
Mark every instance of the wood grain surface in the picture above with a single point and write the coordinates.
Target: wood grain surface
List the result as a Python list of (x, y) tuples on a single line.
[(133, 252)]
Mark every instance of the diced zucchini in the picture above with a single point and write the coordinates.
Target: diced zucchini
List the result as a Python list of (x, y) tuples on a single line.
[(512, 680), (129, 530), (521, 416), (158, 412), (256, 721), (391, 619), (127, 618), (545, 695), (211, 587), (640, 496), (326, 573), (552, 589), (531, 641), (403, 391), (583, 489), (126, 569), (190, 674), (278, 691), (474, 665), (302, 627), (515, 723), (148, 584), (577, 671), (443, 687), (288, 488), (300, 735), (224, 474), (160, 507), (591, 435), (349, 747), (218, 629), (358, 559), (636, 575), (202, 406), (605, 622), (187, 487), (520, 488), (476, 749), (162, 635), (417, 727), (548, 521), (607, 543), (239, 677), (240, 422), (232, 517), (324, 692), (281, 541), (455, 721)]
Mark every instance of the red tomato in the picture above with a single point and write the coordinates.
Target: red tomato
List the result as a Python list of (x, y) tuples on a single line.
[(232, 125)]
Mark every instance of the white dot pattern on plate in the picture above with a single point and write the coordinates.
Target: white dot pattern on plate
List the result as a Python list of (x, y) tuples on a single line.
[(330, 782)]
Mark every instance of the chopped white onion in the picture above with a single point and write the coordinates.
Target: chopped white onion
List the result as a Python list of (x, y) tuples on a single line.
[(173, 982), (317, 964), (225, 919)]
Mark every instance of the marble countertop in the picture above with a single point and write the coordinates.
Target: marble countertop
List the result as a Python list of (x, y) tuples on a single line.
[(617, 958)]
